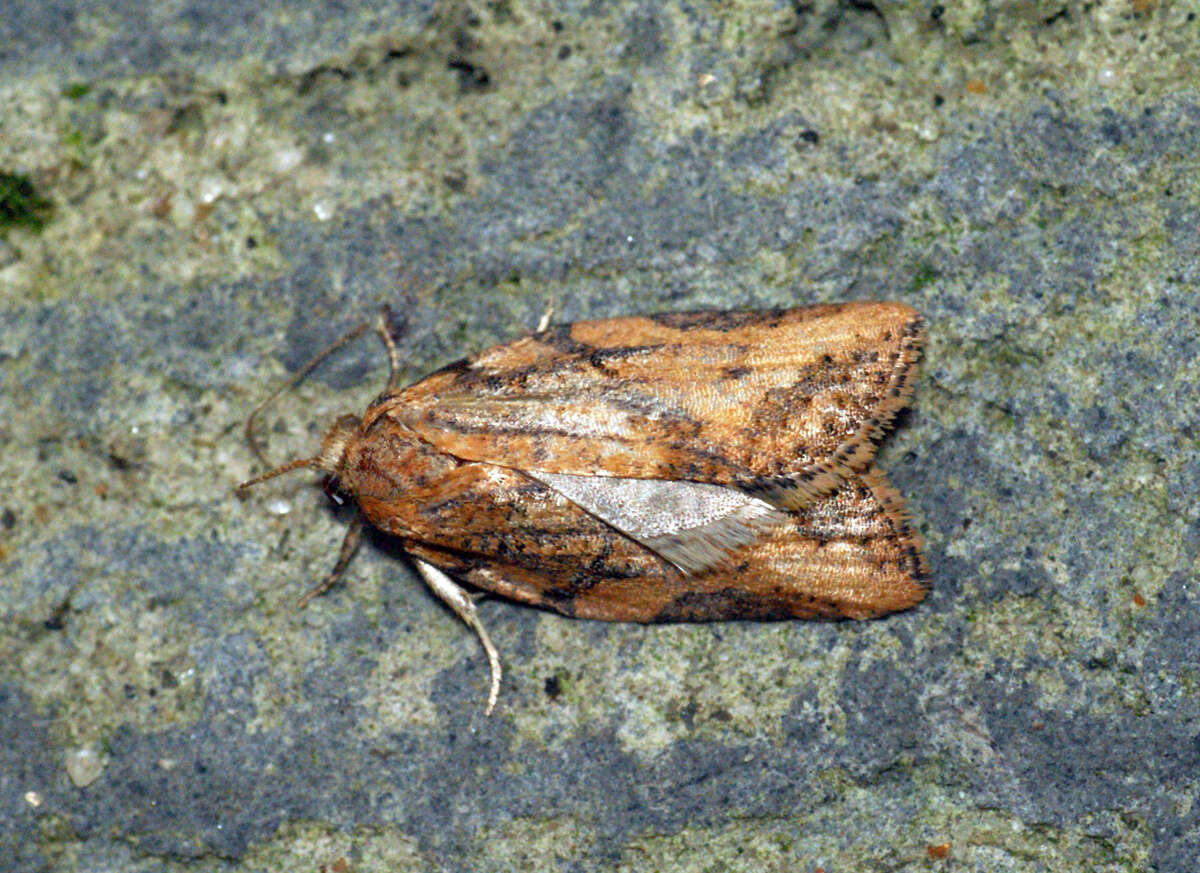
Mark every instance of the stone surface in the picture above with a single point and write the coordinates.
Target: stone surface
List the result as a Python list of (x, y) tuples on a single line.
[(233, 185)]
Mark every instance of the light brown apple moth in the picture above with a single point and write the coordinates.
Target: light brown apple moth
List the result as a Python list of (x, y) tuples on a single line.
[(685, 467)]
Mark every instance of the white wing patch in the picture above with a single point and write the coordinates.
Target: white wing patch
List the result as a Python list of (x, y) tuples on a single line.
[(694, 525)]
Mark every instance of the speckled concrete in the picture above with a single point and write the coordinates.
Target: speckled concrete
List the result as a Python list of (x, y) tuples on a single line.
[(233, 185)]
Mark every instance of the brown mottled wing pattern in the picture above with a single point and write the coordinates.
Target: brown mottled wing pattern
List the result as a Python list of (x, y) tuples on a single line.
[(785, 403), (850, 554)]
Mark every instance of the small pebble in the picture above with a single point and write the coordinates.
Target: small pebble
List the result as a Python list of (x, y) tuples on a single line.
[(84, 766)]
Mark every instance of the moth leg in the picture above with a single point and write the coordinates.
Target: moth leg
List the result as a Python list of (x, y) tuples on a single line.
[(464, 607), (350, 545), (385, 334)]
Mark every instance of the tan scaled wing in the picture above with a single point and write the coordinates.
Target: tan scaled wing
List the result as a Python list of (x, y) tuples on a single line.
[(850, 554), (784, 404)]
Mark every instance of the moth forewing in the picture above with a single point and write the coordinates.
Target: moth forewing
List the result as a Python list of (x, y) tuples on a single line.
[(781, 403)]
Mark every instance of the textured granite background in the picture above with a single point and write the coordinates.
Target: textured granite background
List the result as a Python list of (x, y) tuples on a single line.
[(197, 195)]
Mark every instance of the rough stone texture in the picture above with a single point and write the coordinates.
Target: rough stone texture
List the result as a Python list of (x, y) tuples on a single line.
[(235, 184)]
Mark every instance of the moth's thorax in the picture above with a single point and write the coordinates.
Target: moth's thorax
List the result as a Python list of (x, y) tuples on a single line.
[(385, 466)]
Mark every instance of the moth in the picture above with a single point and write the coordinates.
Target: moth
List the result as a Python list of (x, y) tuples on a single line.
[(697, 466)]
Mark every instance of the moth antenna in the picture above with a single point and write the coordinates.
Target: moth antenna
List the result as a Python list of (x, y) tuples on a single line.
[(286, 386), (279, 471)]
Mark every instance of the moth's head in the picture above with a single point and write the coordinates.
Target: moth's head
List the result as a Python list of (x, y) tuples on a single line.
[(334, 445)]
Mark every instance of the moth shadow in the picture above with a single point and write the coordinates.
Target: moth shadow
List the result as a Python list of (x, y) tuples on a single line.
[(387, 546)]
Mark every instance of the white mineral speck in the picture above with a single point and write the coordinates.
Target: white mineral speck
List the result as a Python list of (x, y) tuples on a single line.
[(83, 766), (210, 189), (287, 160)]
